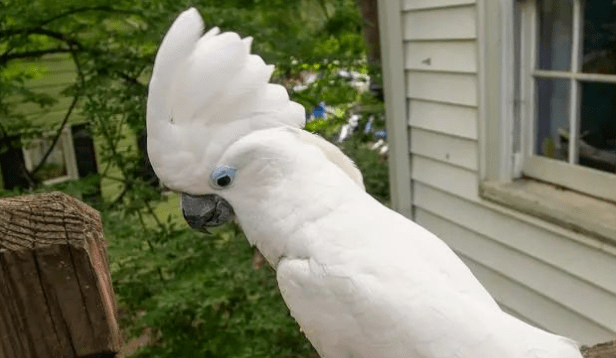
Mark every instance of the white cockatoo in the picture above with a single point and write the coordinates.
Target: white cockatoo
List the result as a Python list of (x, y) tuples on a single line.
[(361, 280)]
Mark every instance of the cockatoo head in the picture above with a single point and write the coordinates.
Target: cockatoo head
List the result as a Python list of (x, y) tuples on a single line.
[(217, 129), (206, 92)]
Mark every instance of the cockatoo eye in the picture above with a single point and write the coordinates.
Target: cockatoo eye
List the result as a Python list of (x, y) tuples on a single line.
[(222, 177)]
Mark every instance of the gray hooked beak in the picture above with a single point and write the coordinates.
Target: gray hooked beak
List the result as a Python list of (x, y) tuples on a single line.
[(204, 211)]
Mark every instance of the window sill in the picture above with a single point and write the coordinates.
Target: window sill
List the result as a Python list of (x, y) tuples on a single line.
[(569, 209)]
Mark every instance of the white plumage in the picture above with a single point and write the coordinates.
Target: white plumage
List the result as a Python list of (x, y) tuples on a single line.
[(361, 280), (206, 92)]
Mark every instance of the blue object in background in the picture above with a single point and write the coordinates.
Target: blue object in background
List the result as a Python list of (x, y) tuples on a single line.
[(319, 111), (368, 127), (380, 134)]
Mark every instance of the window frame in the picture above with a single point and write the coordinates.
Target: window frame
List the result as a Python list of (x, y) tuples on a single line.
[(70, 160), (508, 102), (568, 174), (501, 183)]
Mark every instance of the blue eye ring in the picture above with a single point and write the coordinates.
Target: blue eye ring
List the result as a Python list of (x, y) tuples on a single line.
[(222, 177)]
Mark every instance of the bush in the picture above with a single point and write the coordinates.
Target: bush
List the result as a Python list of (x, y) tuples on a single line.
[(199, 295), (373, 167)]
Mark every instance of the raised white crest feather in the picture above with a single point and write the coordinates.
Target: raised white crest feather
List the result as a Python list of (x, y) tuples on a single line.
[(207, 91)]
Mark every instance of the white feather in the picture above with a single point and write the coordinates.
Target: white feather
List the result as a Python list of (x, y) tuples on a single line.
[(334, 155), (205, 93), (176, 46)]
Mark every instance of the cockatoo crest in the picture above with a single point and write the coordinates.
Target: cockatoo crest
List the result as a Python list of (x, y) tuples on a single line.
[(205, 93)]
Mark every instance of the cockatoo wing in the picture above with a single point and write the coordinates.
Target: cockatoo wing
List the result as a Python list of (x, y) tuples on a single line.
[(333, 154), (388, 288), (349, 315)]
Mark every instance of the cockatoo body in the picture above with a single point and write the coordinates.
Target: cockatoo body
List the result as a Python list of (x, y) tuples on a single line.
[(361, 280)]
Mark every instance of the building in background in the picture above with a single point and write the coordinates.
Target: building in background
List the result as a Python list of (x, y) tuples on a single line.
[(501, 122)]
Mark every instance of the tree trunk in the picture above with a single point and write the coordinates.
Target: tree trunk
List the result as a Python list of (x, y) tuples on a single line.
[(56, 298), (370, 13)]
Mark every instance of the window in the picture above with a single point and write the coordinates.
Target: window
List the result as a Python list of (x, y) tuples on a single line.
[(60, 164), (566, 116)]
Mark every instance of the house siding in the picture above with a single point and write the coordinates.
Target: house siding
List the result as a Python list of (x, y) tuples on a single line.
[(57, 73), (555, 279)]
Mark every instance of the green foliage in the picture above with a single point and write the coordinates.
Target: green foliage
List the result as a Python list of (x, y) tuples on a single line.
[(346, 100), (197, 295), (329, 87), (202, 294), (373, 167)]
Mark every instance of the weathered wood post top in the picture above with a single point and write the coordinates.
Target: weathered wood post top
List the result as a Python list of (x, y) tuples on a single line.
[(56, 297)]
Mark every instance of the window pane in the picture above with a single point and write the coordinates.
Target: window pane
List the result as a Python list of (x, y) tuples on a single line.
[(552, 123), (599, 37), (55, 164), (598, 126), (555, 34)]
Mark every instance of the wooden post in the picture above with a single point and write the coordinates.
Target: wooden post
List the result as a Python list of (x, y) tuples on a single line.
[(603, 350), (56, 297)]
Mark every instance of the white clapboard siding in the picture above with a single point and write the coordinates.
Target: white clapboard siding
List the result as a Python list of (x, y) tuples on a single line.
[(452, 88), (440, 24), (583, 294), (537, 309), (578, 259), (553, 278), (431, 4), (445, 118), (453, 179), (577, 295), (434, 145), (514, 297), (537, 292), (502, 306), (447, 56)]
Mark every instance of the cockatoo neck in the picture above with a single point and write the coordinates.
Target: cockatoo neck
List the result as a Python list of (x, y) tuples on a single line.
[(282, 187)]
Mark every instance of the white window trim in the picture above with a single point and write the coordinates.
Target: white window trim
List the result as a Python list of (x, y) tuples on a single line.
[(390, 27), (499, 165), (568, 174), (496, 90), (498, 97), (66, 140)]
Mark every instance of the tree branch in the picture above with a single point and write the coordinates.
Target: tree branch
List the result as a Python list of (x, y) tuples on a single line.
[(150, 245), (324, 8), (86, 9), (56, 35), (19, 31), (57, 136), (66, 116), (5, 57), (133, 81)]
